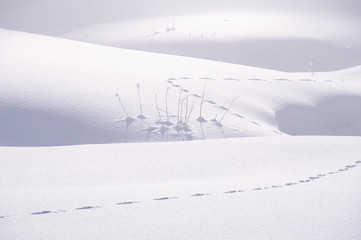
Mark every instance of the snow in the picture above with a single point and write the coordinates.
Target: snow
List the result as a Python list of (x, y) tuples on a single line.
[(72, 100), (263, 39), (251, 129), (123, 182)]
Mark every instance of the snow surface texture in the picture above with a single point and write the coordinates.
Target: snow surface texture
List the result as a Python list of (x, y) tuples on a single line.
[(49, 97), (248, 178), (249, 188), (271, 41)]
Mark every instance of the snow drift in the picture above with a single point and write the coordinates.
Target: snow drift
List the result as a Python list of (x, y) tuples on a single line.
[(61, 92)]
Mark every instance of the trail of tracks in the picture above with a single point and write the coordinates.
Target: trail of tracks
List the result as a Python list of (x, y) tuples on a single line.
[(166, 198)]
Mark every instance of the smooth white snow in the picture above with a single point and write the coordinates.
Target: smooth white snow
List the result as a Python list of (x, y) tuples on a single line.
[(250, 188), (144, 173), (273, 40), (61, 92)]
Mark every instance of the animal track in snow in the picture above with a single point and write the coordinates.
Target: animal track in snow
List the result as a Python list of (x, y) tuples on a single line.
[(87, 207), (288, 184), (256, 79), (127, 203), (199, 194), (164, 198), (42, 212), (306, 80), (213, 103)]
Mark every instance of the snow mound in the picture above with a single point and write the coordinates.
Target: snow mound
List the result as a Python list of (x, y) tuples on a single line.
[(291, 186), (63, 92), (279, 41)]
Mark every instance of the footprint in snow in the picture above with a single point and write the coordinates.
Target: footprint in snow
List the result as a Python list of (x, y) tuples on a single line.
[(164, 198), (196, 95), (304, 181), (232, 191), (351, 166), (313, 178), (127, 203), (256, 123), (231, 79), (199, 194), (87, 207), (42, 212), (238, 115)]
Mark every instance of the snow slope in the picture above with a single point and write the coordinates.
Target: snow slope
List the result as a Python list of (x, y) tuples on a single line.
[(286, 41), (61, 92), (248, 179), (250, 188)]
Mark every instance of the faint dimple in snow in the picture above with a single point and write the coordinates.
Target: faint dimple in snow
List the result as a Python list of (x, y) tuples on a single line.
[(200, 194), (206, 78), (305, 80), (255, 123), (238, 115), (282, 79), (164, 198), (223, 107), (127, 203), (196, 95), (87, 207), (256, 79), (232, 191), (42, 212), (231, 79), (350, 166)]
